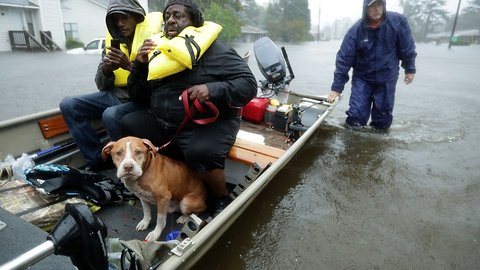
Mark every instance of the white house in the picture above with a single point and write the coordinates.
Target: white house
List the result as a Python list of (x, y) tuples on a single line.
[(84, 20), (463, 37), (79, 19), (31, 16)]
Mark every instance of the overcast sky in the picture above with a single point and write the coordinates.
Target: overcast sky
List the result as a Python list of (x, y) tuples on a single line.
[(331, 9)]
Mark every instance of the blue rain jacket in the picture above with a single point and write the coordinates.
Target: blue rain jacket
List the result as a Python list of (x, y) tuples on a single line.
[(375, 54)]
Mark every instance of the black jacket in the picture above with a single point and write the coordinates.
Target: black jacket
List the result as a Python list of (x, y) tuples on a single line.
[(106, 82), (230, 82)]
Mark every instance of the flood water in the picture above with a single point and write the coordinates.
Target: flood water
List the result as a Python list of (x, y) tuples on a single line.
[(409, 199), (359, 200)]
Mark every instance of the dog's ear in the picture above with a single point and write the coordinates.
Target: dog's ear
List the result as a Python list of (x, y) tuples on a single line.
[(150, 146), (106, 150)]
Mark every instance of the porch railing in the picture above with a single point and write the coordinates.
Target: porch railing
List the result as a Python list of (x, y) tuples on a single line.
[(23, 40)]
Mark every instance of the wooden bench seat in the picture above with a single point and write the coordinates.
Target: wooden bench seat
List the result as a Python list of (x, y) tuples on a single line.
[(52, 126), (248, 152), (55, 125)]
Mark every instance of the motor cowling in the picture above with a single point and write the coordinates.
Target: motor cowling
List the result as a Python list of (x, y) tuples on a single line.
[(81, 236), (270, 60)]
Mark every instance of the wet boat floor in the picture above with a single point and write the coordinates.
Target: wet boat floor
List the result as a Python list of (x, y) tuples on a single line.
[(272, 137), (122, 218)]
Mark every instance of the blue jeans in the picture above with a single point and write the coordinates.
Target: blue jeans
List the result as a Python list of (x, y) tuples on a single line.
[(78, 111)]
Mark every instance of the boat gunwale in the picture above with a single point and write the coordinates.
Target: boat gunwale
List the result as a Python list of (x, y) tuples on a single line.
[(28, 118), (210, 234)]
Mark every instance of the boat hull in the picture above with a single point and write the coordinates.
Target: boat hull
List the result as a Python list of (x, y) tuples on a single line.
[(22, 135)]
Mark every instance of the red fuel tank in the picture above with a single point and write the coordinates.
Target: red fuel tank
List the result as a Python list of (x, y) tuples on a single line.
[(254, 111)]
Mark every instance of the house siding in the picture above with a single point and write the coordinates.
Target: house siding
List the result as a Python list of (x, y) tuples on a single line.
[(51, 20), (50, 15), (89, 17), (4, 27)]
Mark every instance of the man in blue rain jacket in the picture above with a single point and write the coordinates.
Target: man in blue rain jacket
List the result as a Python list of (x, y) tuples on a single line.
[(374, 47)]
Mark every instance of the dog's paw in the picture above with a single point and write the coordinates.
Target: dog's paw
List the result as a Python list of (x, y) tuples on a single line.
[(142, 225), (152, 236), (182, 219)]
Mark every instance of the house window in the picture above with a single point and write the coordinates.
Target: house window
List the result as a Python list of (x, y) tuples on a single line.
[(71, 31)]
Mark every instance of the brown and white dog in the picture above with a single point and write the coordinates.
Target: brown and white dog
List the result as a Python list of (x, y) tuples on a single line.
[(156, 179)]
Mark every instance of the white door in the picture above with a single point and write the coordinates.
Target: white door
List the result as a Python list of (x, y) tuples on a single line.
[(16, 19)]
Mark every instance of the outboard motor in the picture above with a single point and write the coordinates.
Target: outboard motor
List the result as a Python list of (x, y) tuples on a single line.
[(78, 234), (270, 61), (273, 64)]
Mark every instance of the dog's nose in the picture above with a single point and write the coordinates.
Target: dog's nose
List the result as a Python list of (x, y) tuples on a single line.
[(128, 167)]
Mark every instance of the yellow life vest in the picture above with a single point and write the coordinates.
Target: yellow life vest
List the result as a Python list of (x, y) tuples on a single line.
[(150, 26), (191, 43), (183, 51), (160, 65)]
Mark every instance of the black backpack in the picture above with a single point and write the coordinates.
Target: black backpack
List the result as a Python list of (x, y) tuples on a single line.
[(54, 179)]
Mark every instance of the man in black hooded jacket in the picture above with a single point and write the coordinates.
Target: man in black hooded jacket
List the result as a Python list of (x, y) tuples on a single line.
[(220, 76), (110, 102)]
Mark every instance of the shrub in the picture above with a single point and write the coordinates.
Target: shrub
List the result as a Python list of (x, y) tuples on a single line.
[(73, 43)]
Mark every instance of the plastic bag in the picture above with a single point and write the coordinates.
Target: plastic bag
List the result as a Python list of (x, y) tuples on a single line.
[(20, 165)]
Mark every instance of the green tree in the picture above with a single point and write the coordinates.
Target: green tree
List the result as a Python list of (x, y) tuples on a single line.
[(230, 5), (251, 13), (296, 10), (291, 33), (288, 20), (273, 22), (226, 18), (424, 16), (470, 16), (223, 12), (156, 5)]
